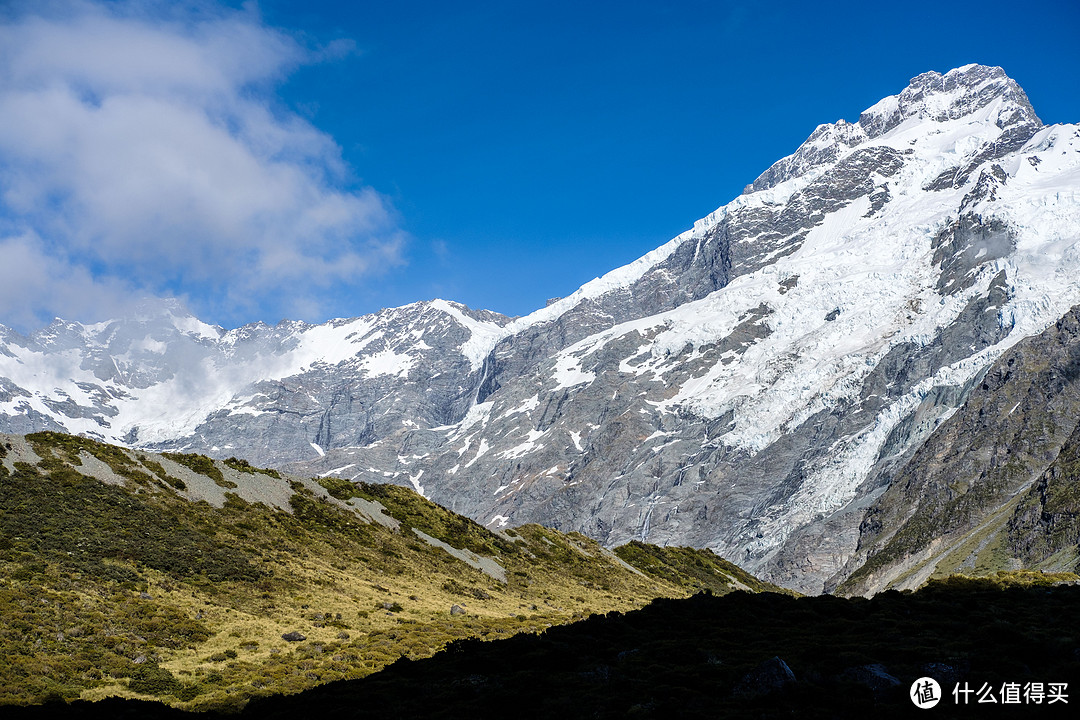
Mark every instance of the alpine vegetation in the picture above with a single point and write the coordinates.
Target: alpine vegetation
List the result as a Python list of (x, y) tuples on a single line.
[(204, 583)]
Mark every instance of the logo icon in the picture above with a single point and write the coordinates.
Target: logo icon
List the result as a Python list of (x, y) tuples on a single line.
[(925, 693)]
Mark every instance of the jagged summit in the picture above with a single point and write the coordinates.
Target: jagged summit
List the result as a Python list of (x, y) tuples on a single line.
[(959, 93), (973, 93)]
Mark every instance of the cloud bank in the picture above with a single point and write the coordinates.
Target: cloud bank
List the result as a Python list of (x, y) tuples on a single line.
[(143, 150)]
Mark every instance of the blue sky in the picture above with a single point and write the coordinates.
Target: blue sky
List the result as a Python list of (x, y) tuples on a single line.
[(321, 159)]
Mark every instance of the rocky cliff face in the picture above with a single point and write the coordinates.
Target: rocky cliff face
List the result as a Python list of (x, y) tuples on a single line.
[(995, 487), (753, 386)]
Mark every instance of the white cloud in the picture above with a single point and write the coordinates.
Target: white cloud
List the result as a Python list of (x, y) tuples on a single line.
[(142, 149), (31, 274)]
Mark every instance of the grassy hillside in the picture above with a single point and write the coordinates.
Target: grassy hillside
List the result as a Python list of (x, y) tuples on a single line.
[(205, 583)]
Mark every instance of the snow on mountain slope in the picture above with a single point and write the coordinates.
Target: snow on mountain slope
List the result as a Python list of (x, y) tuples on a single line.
[(161, 375)]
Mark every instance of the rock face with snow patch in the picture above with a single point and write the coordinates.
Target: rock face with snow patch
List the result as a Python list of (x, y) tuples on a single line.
[(165, 381), (753, 386), (995, 486)]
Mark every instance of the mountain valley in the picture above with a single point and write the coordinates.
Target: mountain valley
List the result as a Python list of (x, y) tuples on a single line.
[(811, 382)]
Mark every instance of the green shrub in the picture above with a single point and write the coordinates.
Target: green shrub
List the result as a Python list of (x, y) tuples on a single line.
[(338, 487), (80, 523), (245, 467), (150, 679), (413, 510), (159, 470), (69, 447), (202, 465)]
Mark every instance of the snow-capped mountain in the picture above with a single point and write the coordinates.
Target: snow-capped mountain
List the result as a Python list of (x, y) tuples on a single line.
[(163, 379), (752, 386)]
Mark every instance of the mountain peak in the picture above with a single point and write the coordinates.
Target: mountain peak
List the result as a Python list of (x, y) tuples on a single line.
[(984, 94), (961, 92)]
